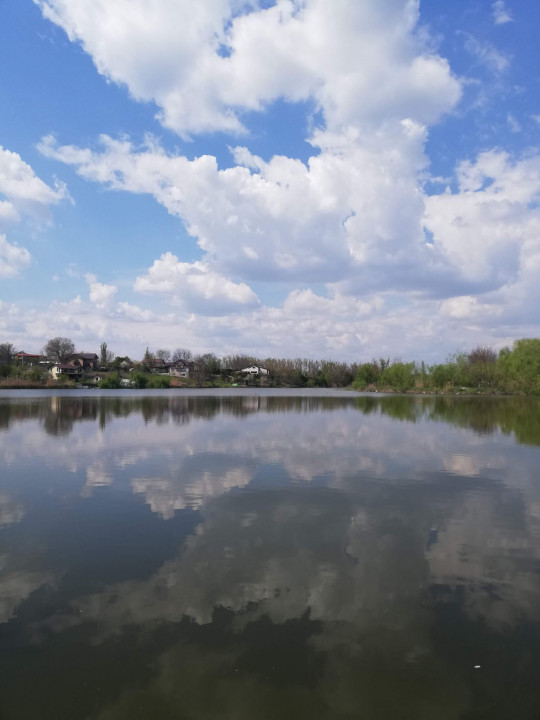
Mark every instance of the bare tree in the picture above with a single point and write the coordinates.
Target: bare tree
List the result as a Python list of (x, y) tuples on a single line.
[(182, 355), (59, 349), (163, 354), (482, 354)]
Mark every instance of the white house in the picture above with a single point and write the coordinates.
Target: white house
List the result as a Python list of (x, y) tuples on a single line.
[(255, 370), (72, 371)]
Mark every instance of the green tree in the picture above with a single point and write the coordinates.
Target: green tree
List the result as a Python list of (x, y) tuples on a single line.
[(106, 357), (520, 366), (399, 376), (367, 374)]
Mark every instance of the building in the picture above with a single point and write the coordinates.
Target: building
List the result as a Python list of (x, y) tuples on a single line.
[(25, 358), (73, 372), (255, 370), (88, 361), (180, 369)]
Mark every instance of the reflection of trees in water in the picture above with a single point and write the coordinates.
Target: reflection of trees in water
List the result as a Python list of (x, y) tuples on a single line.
[(63, 412), (56, 413), (483, 415)]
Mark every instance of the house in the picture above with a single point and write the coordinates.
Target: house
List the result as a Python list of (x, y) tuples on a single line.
[(73, 372), (88, 361), (25, 358), (255, 370), (180, 369), (156, 365)]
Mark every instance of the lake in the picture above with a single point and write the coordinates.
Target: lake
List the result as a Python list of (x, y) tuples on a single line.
[(268, 554)]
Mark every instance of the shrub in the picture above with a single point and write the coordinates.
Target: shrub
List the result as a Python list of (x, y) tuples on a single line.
[(139, 380), (111, 382), (159, 381)]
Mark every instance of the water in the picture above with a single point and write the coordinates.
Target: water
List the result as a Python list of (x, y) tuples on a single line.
[(273, 555)]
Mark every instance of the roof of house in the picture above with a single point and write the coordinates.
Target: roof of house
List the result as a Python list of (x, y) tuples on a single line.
[(25, 354)]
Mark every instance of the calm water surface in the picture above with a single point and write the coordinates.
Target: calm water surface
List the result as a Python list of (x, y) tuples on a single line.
[(273, 555)]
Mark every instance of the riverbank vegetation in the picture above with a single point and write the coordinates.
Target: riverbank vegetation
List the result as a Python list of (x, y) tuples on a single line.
[(514, 370)]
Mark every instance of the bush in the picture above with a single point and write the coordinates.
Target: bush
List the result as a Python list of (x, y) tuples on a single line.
[(139, 380), (159, 381), (111, 382), (367, 374)]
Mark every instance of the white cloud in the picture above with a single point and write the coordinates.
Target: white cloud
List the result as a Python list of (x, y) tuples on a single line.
[(468, 307), (21, 187), (21, 193), (196, 286), (134, 312), (501, 15), (101, 295), (489, 229), (206, 63), (353, 209), (13, 258), (351, 218), (8, 214)]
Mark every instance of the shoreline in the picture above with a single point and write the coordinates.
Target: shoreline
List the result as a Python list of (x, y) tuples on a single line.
[(463, 392)]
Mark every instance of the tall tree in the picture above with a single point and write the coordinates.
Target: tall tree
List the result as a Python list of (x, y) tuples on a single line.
[(7, 352), (103, 355), (163, 354), (59, 349)]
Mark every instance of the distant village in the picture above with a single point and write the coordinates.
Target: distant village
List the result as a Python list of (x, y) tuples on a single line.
[(511, 370), (59, 363)]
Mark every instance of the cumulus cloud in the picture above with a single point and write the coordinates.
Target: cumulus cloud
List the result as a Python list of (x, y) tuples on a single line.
[(196, 286), (205, 64), (353, 218), (13, 258), (488, 230), (101, 295), (354, 211), (21, 193), (391, 262)]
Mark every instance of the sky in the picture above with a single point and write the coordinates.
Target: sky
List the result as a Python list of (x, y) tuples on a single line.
[(340, 179)]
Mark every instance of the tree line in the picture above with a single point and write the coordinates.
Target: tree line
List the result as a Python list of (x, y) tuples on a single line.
[(515, 369)]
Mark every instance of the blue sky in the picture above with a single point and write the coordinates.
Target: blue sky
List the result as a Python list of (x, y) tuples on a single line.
[(296, 178)]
